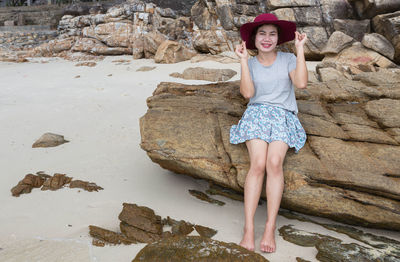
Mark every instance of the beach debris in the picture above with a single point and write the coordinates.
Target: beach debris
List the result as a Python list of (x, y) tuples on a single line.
[(145, 68), (89, 64), (196, 248), (49, 140), (141, 224), (47, 182), (109, 75), (25, 185), (78, 76), (56, 182), (203, 196), (88, 186), (207, 74), (332, 249), (103, 236), (205, 231)]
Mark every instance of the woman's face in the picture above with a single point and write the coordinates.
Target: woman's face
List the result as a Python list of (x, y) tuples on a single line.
[(266, 38)]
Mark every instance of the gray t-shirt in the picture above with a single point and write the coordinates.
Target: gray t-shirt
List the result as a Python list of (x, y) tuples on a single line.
[(272, 83)]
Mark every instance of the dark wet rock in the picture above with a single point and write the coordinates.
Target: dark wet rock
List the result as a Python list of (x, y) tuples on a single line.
[(195, 248), (205, 197), (205, 231), (141, 217), (145, 68), (302, 238), (49, 140), (25, 185), (332, 251), (207, 74), (353, 28), (137, 234), (56, 182), (109, 236), (85, 185), (389, 247), (223, 191), (299, 259)]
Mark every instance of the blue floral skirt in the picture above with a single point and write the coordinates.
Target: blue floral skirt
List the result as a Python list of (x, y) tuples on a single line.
[(269, 123)]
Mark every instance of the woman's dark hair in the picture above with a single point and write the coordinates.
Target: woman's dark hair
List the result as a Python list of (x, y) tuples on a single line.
[(254, 32)]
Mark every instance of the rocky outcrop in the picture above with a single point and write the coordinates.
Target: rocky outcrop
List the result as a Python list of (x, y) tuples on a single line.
[(348, 169), (212, 26), (49, 140)]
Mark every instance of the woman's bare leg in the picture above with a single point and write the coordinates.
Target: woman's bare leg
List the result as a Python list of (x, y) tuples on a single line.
[(252, 189), (274, 188)]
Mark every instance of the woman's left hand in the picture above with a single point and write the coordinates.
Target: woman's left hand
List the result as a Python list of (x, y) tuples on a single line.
[(300, 39)]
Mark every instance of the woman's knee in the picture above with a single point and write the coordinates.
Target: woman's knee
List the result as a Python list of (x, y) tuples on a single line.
[(257, 167), (275, 163)]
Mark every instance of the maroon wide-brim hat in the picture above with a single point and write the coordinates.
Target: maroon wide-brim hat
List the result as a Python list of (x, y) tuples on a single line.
[(287, 29)]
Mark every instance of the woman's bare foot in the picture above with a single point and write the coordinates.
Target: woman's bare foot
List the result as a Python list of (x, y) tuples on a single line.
[(268, 241), (248, 239)]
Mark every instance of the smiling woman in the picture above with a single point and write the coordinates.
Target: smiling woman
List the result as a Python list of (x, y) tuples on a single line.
[(269, 126)]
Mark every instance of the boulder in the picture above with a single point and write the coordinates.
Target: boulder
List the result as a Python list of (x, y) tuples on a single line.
[(337, 42), (170, 52), (353, 28), (371, 8), (388, 25), (378, 43), (347, 171), (151, 42), (275, 4), (94, 46), (195, 248), (356, 55), (215, 41), (114, 34)]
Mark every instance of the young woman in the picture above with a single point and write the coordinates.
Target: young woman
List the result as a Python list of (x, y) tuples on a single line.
[(269, 126)]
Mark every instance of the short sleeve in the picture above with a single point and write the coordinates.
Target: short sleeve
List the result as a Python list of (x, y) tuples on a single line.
[(291, 62)]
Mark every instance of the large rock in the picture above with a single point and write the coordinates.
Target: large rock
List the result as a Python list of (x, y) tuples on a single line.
[(195, 248), (356, 55), (337, 42), (371, 8), (353, 28), (172, 52), (115, 34), (388, 25), (348, 169), (379, 43)]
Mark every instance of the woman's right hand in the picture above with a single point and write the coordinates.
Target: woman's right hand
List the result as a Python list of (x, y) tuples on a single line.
[(241, 51)]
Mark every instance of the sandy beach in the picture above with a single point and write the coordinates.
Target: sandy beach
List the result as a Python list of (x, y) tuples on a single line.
[(98, 112)]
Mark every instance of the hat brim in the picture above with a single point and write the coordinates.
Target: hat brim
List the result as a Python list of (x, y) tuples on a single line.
[(287, 31)]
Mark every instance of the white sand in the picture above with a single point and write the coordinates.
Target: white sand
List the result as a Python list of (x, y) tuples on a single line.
[(100, 114)]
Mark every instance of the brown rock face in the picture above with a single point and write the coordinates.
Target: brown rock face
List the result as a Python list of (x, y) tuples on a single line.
[(348, 170), (172, 52), (207, 74), (56, 182), (194, 248), (140, 223)]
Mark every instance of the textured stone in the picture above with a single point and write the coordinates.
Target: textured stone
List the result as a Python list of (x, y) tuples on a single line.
[(371, 8), (379, 43), (207, 74), (353, 28), (25, 185), (172, 52), (56, 182), (109, 236), (49, 140), (337, 42), (348, 169), (195, 248)]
